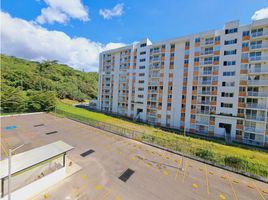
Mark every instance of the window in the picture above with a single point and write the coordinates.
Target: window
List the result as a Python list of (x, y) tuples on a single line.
[(245, 44), (226, 105), (141, 74), (186, 61), (216, 58), (187, 44), (141, 89), (245, 33), (230, 52), (142, 60), (141, 81), (196, 59), (232, 73), (170, 88), (197, 40), (229, 63), (228, 42), (142, 67), (227, 94), (172, 46), (163, 46), (143, 53), (140, 96), (217, 38), (229, 31), (239, 121), (228, 84), (143, 45), (172, 55), (168, 104)]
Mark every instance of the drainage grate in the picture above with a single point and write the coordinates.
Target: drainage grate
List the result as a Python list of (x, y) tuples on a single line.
[(86, 153), (126, 175), (39, 125), (52, 132)]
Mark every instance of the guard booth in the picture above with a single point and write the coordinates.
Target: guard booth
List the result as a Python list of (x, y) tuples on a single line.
[(35, 170)]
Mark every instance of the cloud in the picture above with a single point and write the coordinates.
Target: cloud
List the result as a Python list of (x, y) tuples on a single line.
[(61, 11), (260, 14), (117, 10), (34, 42)]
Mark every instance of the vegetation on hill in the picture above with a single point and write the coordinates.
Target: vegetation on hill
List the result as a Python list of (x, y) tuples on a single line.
[(34, 86), (254, 161)]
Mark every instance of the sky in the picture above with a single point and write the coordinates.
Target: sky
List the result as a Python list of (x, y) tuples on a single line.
[(74, 32)]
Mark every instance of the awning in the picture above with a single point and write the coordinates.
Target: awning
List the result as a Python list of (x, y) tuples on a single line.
[(27, 159)]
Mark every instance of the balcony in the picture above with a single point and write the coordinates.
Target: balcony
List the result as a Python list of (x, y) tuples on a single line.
[(258, 70), (257, 94), (155, 59), (202, 122), (258, 82), (259, 34), (253, 129), (257, 105), (253, 142), (208, 62), (258, 59), (256, 117), (199, 111), (155, 51), (207, 42), (204, 92), (205, 82), (206, 72), (258, 46), (203, 102), (206, 53)]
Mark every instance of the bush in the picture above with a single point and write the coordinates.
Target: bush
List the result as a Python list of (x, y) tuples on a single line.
[(12, 99), (205, 154), (235, 162), (41, 101)]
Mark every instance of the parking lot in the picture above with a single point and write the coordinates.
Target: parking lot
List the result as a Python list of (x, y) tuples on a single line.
[(152, 174)]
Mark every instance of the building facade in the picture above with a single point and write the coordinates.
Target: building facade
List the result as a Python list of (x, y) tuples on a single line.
[(213, 83)]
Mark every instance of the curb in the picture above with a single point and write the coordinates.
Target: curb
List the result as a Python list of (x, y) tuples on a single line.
[(246, 174), (14, 115)]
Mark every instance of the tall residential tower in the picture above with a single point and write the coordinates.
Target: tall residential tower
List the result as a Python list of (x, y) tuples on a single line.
[(213, 83)]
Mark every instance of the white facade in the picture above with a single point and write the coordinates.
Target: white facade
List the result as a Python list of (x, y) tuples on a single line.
[(213, 83)]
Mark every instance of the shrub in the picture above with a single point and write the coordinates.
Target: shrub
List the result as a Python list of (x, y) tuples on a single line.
[(235, 162), (205, 154)]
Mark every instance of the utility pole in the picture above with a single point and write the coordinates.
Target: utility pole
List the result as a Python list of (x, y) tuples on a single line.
[(10, 151)]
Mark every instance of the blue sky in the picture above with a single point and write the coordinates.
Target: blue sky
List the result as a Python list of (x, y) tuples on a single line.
[(132, 21)]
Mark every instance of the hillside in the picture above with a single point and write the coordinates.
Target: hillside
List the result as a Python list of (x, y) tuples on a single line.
[(22, 79)]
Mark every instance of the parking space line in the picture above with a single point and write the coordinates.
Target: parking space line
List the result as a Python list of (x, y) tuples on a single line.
[(232, 187), (178, 170), (207, 185), (5, 151), (185, 170), (257, 188)]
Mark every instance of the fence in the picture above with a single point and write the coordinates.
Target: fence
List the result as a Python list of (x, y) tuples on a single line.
[(171, 144)]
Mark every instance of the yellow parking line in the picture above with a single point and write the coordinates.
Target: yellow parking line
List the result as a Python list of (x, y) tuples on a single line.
[(231, 185), (178, 170), (206, 172), (105, 195), (5, 151), (185, 170), (258, 190)]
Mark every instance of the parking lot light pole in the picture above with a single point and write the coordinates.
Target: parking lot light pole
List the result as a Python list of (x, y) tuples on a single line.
[(182, 158), (10, 151)]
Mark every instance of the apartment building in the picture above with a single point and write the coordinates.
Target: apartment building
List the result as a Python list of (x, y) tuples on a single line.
[(213, 83)]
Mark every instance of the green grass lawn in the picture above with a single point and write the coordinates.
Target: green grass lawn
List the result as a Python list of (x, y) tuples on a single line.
[(250, 160)]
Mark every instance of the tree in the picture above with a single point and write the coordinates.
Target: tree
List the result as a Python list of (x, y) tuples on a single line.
[(12, 99), (41, 101)]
